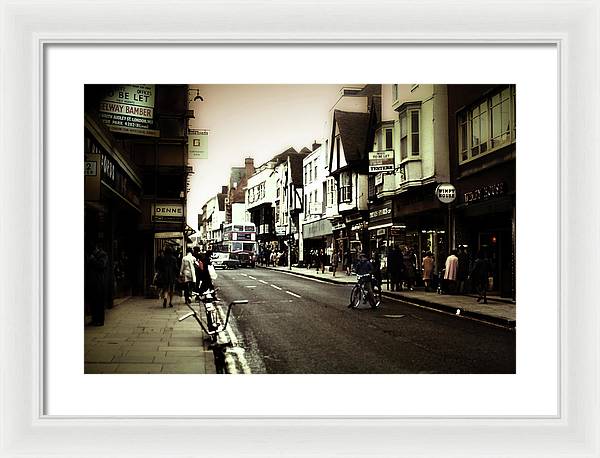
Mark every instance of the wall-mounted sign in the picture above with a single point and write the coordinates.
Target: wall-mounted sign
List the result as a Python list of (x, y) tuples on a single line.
[(378, 179), (91, 168), (168, 212), (315, 208), (381, 212), (381, 161), (446, 193), (280, 230), (485, 192), (198, 143), (359, 226), (129, 109)]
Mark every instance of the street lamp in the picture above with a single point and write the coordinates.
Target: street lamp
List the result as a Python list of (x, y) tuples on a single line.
[(197, 96)]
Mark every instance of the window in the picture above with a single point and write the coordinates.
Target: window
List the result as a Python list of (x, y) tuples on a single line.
[(305, 174), (330, 192), (487, 126), (389, 136), (394, 92), (410, 139), (310, 173), (315, 171), (345, 187)]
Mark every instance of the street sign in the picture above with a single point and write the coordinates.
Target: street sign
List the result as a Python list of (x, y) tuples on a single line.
[(446, 193), (381, 161)]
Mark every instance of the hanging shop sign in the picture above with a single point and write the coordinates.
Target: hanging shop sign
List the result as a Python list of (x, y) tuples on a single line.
[(198, 143), (485, 192), (129, 109), (280, 230), (378, 179), (359, 226), (168, 212), (338, 226), (381, 161), (446, 193)]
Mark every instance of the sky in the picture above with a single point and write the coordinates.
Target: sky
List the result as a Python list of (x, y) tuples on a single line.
[(258, 121)]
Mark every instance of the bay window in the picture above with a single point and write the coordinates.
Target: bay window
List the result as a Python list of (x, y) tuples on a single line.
[(410, 137), (487, 126)]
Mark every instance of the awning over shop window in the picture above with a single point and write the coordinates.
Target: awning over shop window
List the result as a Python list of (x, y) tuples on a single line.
[(316, 229)]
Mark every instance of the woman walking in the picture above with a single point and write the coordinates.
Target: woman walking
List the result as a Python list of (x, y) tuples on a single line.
[(427, 265), (335, 258)]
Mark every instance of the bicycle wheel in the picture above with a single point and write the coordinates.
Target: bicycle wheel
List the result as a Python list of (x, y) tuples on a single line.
[(377, 296), (355, 297)]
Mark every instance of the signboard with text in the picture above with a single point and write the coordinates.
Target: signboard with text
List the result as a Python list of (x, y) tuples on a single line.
[(198, 143), (129, 109), (381, 161), (168, 212)]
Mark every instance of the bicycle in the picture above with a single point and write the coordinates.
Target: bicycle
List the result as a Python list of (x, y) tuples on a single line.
[(360, 293), (213, 325)]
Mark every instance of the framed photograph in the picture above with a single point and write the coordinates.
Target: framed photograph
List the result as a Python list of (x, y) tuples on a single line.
[(534, 63)]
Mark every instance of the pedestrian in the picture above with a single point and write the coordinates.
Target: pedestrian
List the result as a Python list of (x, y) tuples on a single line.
[(393, 268), (348, 261), (206, 283), (322, 260), (428, 267), (166, 274), (479, 276), (198, 266), (188, 274), (376, 262), (335, 257), (409, 269), (463, 269), (451, 272), (97, 266)]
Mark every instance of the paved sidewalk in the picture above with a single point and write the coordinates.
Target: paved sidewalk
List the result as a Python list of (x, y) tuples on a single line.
[(139, 336), (498, 310)]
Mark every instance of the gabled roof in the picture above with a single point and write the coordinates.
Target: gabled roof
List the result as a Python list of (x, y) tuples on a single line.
[(354, 134)]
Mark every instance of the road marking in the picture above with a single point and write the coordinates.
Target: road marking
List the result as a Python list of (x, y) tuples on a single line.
[(250, 276), (314, 279), (234, 350), (265, 282), (245, 275), (250, 286), (276, 287), (393, 316), (292, 294)]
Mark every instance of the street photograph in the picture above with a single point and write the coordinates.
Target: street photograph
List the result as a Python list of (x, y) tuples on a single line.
[(300, 229)]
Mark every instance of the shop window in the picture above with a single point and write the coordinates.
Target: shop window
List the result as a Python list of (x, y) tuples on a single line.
[(487, 126)]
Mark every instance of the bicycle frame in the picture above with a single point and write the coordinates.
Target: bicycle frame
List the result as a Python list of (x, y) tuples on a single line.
[(205, 327)]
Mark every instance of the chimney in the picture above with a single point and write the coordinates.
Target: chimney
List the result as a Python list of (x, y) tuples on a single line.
[(249, 163), (315, 145), (224, 189)]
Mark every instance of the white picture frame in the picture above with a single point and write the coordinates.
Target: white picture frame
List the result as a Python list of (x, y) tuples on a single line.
[(27, 27)]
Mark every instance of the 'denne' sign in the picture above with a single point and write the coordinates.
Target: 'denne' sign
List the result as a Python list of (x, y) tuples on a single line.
[(168, 211), (446, 193)]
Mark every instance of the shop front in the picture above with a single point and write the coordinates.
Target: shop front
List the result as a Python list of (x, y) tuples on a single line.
[(485, 222), (317, 235), (420, 225), (112, 213)]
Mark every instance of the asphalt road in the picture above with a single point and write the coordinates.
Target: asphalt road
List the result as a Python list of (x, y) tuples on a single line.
[(295, 325)]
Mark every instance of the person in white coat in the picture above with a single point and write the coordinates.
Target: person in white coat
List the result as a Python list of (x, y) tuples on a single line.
[(188, 274), (451, 272)]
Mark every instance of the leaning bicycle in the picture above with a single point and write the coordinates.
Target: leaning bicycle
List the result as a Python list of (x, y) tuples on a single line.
[(360, 292)]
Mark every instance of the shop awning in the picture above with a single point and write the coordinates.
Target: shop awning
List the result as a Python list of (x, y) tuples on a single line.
[(317, 229)]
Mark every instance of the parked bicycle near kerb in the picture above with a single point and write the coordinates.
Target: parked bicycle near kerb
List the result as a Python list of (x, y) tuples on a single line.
[(214, 324), (366, 289)]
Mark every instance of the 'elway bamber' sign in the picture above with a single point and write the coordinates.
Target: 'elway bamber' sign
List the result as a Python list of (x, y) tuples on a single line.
[(129, 109)]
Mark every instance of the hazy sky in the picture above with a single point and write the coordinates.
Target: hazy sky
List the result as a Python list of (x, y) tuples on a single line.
[(256, 121)]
